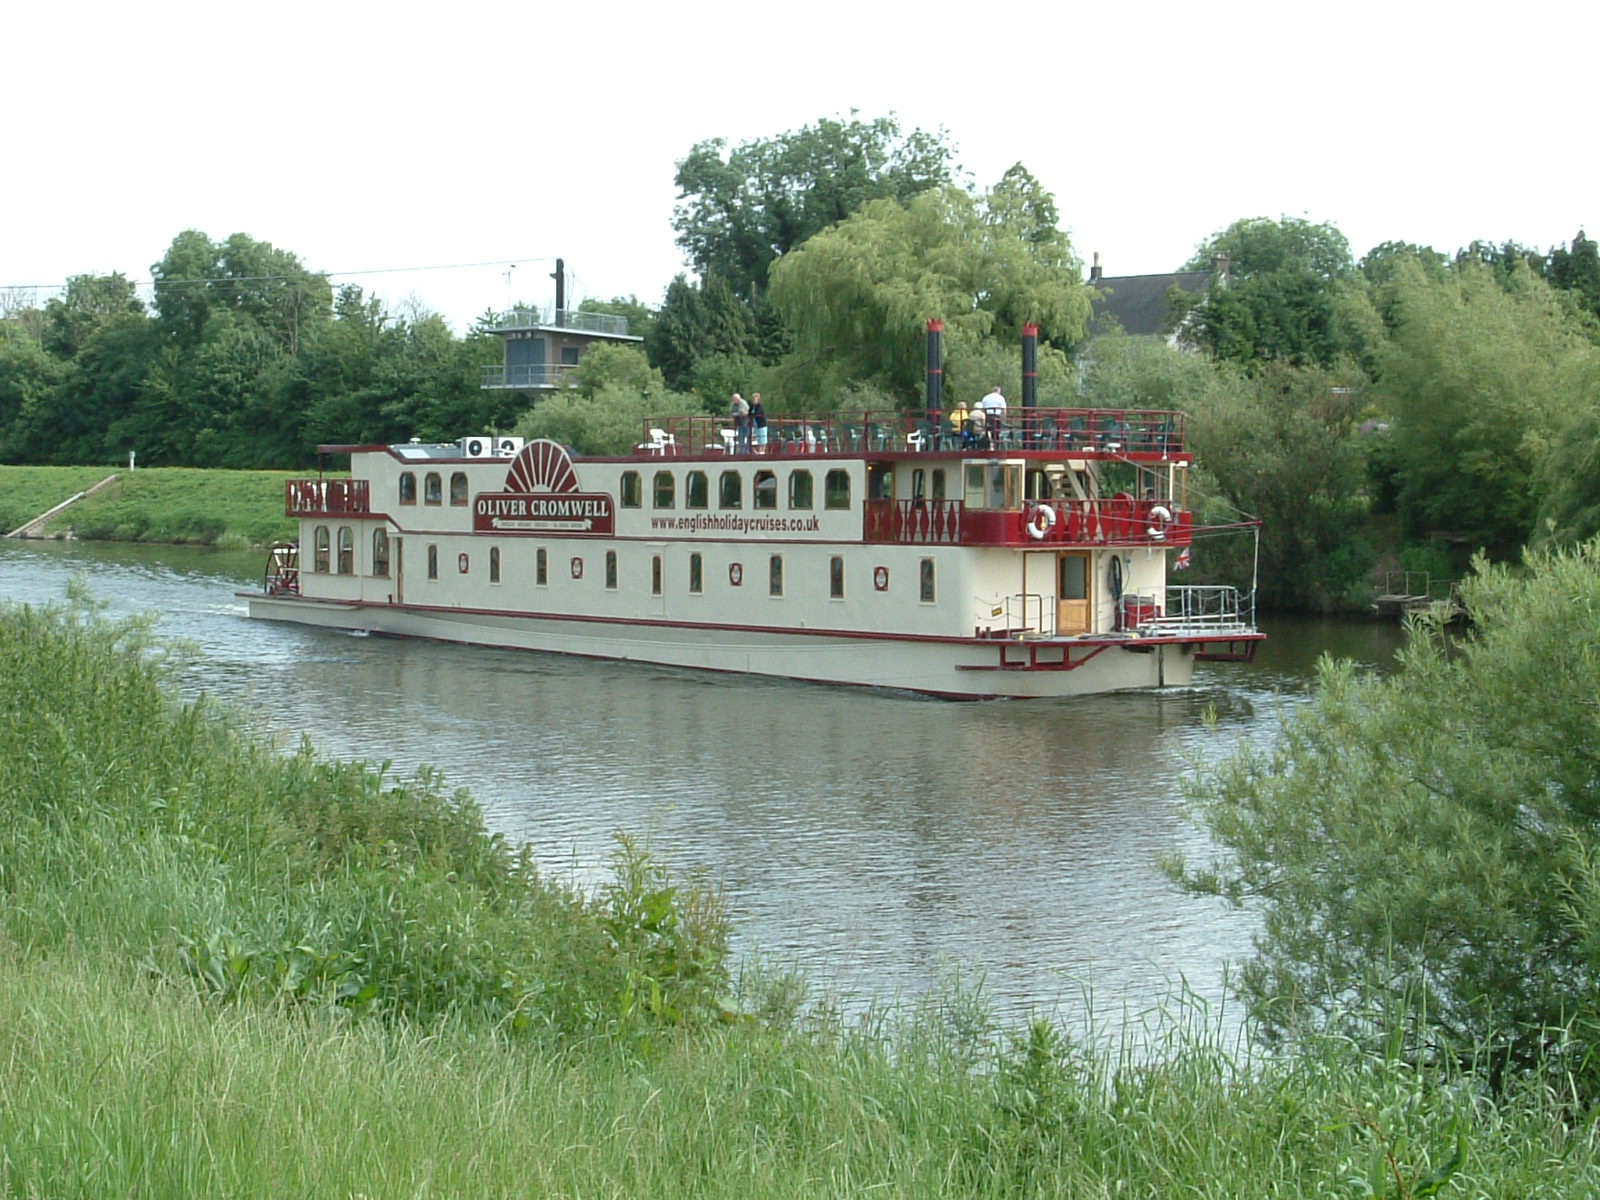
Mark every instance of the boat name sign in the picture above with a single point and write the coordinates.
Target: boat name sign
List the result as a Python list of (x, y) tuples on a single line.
[(566, 512)]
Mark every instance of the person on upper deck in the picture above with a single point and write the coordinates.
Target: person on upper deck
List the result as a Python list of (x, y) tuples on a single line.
[(758, 423), (739, 410), (994, 413), (958, 424)]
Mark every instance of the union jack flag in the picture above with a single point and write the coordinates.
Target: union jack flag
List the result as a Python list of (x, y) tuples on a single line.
[(1183, 561)]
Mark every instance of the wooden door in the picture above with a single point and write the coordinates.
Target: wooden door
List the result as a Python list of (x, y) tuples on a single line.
[(1072, 592)]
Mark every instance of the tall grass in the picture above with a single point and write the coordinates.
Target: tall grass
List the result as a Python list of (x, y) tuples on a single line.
[(230, 971)]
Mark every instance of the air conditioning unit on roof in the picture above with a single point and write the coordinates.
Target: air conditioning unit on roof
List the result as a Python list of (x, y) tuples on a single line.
[(508, 447), (477, 447)]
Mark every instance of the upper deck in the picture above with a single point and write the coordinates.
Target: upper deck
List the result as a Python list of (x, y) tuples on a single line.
[(1127, 433)]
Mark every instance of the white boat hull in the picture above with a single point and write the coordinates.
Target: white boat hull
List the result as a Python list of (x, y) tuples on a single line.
[(956, 668)]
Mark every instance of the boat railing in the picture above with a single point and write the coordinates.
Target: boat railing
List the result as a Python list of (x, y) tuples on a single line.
[(1153, 433), (308, 497), (1115, 521), (1203, 609)]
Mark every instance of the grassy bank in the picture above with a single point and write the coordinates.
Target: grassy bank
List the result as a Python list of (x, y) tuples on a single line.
[(233, 509), (230, 969)]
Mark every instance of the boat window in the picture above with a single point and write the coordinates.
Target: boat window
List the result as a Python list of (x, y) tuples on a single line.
[(696, 492), (631, 492), (919, 484), (730, 490), (836, 489), (975, 486), (938, 483), (541, 567), (408, 488), (347, 551), (800, 489), (697, 574), (1005, 485), (433, 562), (666, 490), (494, 564), (380, 552), (320, 559), (431, 493), (880, 481), (836, 577), (458, 487), (925, 580), (765, 492), (611, 570), (775, 576), (655, 575)]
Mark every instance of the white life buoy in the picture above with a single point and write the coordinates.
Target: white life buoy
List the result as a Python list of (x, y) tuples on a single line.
[(1160, 518), (1041, 521)]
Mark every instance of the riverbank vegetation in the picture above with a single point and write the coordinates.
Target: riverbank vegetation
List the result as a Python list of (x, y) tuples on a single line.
[(240, 969), (1397, 411), (172, 505)]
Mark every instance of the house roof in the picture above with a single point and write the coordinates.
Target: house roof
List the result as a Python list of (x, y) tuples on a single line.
[(1138, 303)]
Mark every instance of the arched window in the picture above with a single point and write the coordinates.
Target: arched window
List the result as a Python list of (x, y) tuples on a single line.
[(765, 492), (697, 574), (925, 581), (430, 488), (800, 489), (380, 552), (631, 491), (836, 577), (494, 564), (458, 487), (347, 550), (730, 490), (319, 562), (696, 493), (611, 570), (408, 487), (541, 567), (666, 490), (775, 575), (433, 562), (836, 490)]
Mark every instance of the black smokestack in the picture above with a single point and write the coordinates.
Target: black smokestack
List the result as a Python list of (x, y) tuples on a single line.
[(1030, 365), (935, 369)]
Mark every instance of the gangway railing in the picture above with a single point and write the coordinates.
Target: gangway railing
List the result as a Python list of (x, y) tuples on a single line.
[(1205, 609)]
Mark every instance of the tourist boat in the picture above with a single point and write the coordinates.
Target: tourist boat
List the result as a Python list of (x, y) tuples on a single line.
[(889, 550)]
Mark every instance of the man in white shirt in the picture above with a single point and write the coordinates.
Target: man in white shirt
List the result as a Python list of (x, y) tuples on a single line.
[(994, 412)]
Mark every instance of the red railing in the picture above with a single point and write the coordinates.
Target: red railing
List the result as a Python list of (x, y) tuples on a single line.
[(1119, 521), (308, 497), (1087, 431)]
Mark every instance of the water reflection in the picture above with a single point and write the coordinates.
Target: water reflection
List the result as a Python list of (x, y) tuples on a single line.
[(872, 838)]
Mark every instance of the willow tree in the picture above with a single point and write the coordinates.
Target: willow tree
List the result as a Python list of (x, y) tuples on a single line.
[(858, 295), (1478, 374)]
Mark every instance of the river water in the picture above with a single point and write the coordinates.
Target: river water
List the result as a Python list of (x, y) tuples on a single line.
[(878, 842)]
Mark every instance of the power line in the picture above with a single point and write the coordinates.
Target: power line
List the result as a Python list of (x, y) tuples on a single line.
[(498, 262)]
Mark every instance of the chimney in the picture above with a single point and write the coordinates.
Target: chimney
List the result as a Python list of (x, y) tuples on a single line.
[(1094, 271), (1030, 365), (1219, 267), (935, 369)]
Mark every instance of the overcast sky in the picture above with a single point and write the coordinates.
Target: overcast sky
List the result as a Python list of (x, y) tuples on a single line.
[(451, 152)]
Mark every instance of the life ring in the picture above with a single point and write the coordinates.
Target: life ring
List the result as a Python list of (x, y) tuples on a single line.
[(1114, 577), (1160, 518), (577, 568), (1041, 520), (735, 574), (880, 579), (461, 564)]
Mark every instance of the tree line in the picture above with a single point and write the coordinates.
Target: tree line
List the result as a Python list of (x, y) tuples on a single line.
[(1405, 408)]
